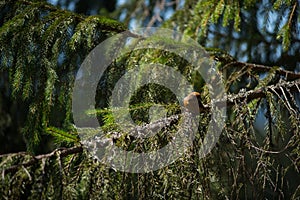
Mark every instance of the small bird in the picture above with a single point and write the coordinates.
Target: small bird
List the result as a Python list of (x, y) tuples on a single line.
[(193, 103)]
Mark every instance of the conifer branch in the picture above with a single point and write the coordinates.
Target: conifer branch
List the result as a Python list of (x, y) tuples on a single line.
[(262, 68), (46, 6), (63, 152), (261, 92), (230, 99)]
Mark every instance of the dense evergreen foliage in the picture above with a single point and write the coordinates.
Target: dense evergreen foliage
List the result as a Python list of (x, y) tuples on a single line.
[(42, 47)]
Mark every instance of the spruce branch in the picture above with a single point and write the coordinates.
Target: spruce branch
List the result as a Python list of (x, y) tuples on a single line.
[(229, 100), (262, 68), (250, 95), (80, 17), (62, 152), (46, 6)]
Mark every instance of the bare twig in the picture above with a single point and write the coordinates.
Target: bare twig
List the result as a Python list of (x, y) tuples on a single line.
[(261, 92), (262, 68)]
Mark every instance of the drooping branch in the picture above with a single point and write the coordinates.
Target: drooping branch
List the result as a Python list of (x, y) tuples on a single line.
[(62, 152), (46, 6), (293, 86)]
